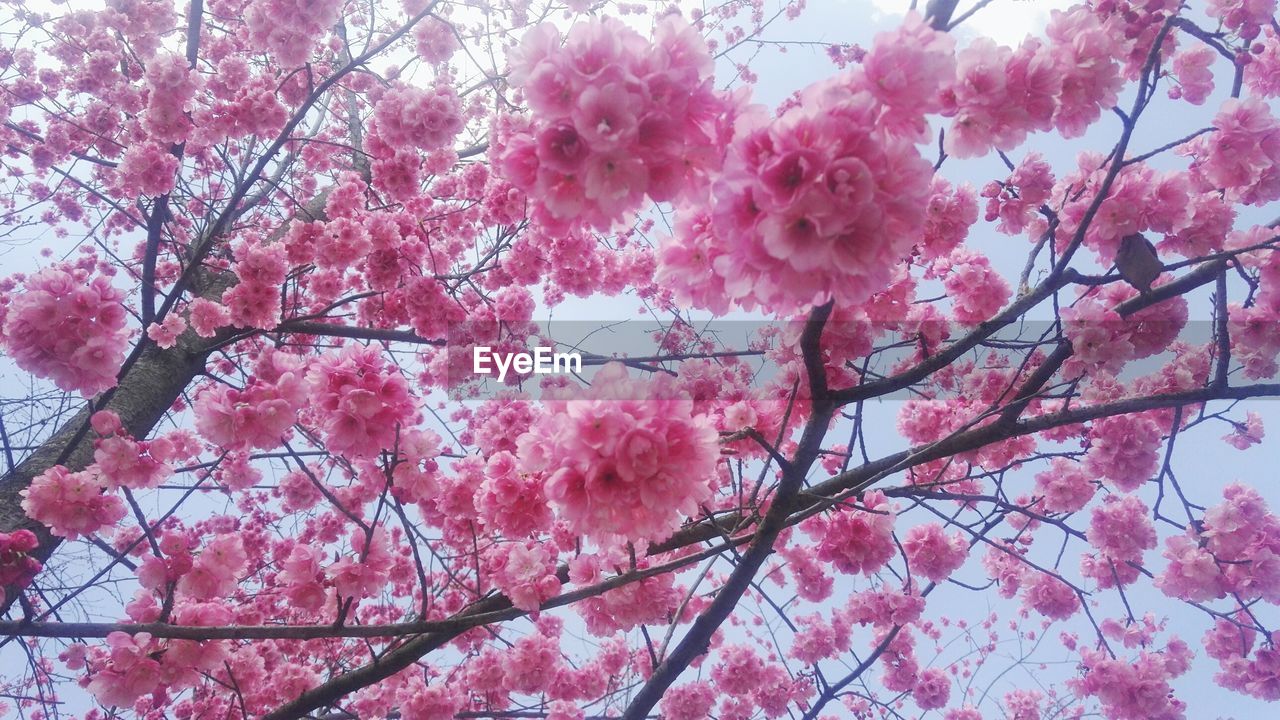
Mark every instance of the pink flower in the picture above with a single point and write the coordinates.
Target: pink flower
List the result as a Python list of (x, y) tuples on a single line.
[(977, 291), (408, 116), (1124, 449), (217, 569), (858, 540), (624, 458), (165, 334), (803, 210), (1241, 157), (691, 701), (359, 401), (1065, 487), (907, 67), (932, 553), (147, 169), (1050, 596), (525, 572), (1192, 574), (364, 571), (130, 673), (69, 327), (1195, 79), (259, 416), (1121, 528), (933, 688), (71, 504), (289, 29), (17, 568), (614, 119)]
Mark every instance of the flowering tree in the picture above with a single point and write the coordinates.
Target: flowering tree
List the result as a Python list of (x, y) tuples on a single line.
[(249, 471)]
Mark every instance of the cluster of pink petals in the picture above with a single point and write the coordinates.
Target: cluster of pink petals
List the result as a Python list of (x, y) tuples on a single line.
[(1242, 157), (255, 300), (365, 569), (1016, 201), (1065, 487), (72, 504), (742, 675), (691, 701), (1230, 642), (622, 609), (175, 560), (434, 39), (132, 667), (1000, 94), (358, 400), (1124, 450), (1193, 68), (1236, 551), (289, 29), (124, 462), (1246, 18), (976, 290), (1050, 596), (525, 572), (171, 86), (1254, 342), (624, 458), (949, 214), (512, 502), (17, 567), (1120, 528), (69, 327), (413, 117), (1103, 341), (615, 118), (216, 570), (302, 576), (932, 553), (817, 639), (883, 608), (856, 539), (259, 416), (933, 689), (1135, 689), (822, 202)]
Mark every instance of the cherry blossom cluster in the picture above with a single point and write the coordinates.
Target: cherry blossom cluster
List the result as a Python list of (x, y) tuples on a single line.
[(261, 414), (860, 539), (69, 326), (358, 400), (1241, 156), (615, 118), (171, 88), (1233, 552), (999, 94), (623, 459), (1232, 643), (289, 29), (17, 567), (823, 201), (318, 312), (408, 116), (1135, 687), (133, 666), (72, 504)]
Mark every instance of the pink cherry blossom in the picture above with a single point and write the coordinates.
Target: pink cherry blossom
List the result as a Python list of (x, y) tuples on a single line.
[(67, 326), (626, 458)]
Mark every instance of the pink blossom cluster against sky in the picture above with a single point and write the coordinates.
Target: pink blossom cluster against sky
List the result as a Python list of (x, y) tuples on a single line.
[(318, 470)]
